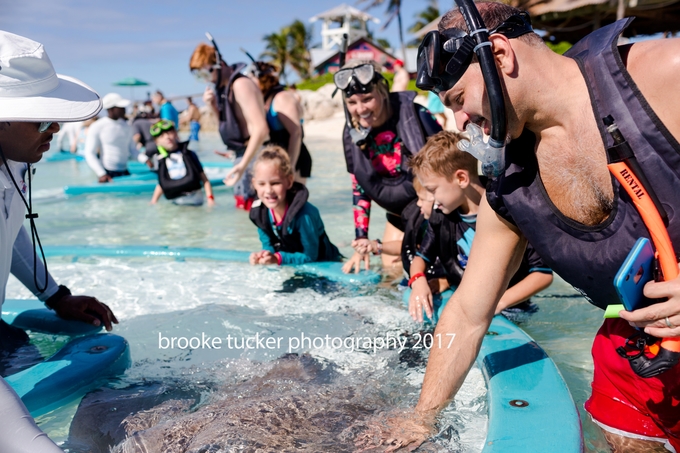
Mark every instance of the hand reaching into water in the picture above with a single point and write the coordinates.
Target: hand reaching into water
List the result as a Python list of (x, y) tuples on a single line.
[(355, 263), (396, 431)]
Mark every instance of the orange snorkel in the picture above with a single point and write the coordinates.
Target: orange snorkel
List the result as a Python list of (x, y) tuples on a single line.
[(652, 359)]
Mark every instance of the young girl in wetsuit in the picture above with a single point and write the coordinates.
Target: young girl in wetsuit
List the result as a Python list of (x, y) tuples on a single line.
[(395, 128), (290, 228)]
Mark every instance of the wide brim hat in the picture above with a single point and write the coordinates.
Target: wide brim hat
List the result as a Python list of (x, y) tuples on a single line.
[(30, 89)]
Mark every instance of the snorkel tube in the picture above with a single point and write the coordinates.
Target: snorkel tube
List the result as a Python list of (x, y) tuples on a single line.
[(492, 153), (218, 59)]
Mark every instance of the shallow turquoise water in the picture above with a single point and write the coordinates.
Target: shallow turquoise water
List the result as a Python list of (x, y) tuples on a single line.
[(171, 298)]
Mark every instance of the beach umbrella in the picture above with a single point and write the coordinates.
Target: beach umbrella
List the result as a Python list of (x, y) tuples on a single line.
[(131, 82)]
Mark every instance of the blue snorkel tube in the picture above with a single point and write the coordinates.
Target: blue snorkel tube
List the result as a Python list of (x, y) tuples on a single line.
[(491, 154)]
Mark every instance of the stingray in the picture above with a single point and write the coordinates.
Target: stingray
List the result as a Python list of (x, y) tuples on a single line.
[(298, 405)]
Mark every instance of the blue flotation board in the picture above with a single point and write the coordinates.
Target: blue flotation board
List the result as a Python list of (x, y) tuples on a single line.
[(63, 155), (135, 167), (78, 367), (530, 407), (30, 314), (135, 185), (81, 365), (330, 270)]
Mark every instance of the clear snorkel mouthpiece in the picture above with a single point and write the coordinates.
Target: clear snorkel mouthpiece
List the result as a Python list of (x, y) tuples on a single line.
[(491, 153)]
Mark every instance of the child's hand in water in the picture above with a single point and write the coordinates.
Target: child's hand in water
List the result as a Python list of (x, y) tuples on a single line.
[(355, 263), (421, 298), (262, 257), (267, 257), (255, 257)]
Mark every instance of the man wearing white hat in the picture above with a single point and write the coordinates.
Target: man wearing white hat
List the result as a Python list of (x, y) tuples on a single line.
[(33, 99), (111, 138)]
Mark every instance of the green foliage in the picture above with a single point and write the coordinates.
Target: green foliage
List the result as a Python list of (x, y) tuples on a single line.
[(430, 13), (382, 42), (560, 47), (290, 46), (315, 83)]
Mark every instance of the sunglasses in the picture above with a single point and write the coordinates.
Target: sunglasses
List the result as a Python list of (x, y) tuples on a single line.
[(443, 57), (204, 75), (160, 127), (43, 126)]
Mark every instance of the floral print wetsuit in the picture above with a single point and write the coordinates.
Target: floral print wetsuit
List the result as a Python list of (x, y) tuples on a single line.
[(384, 149)]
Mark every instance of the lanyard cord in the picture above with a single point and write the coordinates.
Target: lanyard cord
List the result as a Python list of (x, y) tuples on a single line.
[(31, 218)]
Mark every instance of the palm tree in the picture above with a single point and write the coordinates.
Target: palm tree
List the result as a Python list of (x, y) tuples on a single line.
[(299, 41), (393, 10), (425, 16), (277, 49)]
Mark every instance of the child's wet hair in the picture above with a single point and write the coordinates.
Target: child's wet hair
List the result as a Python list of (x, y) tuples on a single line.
[(440, 156), (276, 154), (416, 185)]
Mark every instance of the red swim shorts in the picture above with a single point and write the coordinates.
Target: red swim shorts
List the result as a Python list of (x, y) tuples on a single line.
[(622, 400)]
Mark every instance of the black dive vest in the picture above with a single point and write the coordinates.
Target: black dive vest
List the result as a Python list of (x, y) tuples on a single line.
[(288, 241), (395, 193), (230, 131), (444, 227), (413, 219), (173, 188), (588, 257)]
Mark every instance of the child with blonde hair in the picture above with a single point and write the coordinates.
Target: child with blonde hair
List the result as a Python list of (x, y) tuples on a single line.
[(290, 227)]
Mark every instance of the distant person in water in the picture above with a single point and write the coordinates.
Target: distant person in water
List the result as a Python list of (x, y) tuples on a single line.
[(401, 77), (237, 102), (290, 227), (193, 116), (284, 118), (180, 173), (109, 145), (166, 110)]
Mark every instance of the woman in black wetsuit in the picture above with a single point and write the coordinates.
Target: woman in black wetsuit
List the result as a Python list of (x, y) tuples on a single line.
[(383, 129)]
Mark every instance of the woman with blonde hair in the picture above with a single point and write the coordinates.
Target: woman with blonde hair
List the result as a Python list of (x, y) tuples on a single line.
[(383, 129)]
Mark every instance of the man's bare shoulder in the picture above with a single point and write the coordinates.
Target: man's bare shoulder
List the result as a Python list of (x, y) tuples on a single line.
[(654, 66), (658, 60)]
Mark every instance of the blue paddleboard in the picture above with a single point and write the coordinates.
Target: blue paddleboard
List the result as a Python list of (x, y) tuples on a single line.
[(62, 156), (75, 369), (31, 314), (78, 367), (136, 185)]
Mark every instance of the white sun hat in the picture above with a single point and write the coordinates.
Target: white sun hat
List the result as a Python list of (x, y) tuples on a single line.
[(30, 89)]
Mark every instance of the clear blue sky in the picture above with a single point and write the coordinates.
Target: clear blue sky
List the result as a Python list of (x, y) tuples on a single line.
[(101, 42)]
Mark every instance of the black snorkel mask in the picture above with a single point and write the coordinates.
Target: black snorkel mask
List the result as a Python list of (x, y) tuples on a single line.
[(357, 80), (443, 58)]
